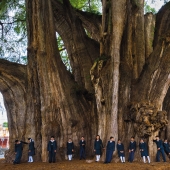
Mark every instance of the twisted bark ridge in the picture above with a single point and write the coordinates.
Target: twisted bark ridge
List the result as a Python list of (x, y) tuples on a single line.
[(120, 76)]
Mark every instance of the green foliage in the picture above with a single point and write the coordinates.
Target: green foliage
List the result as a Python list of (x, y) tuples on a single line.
[(5, 124), (13, 33), (148, 9), (93, 6), (12, 13), (149, 3)]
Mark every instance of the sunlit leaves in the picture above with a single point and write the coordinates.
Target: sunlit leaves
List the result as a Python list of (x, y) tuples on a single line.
[(13, 33), (93, 6), (5, 124), (154, 5), (148, 8)]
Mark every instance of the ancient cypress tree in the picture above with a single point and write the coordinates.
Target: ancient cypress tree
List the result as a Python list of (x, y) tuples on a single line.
[(120, 75)]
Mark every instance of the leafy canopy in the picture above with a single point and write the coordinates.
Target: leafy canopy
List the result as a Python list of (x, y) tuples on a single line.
[(13, 33), (153, 5), (93, 6)]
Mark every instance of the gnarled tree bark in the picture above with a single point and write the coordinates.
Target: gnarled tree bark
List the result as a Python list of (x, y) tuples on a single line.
[(118, 81)]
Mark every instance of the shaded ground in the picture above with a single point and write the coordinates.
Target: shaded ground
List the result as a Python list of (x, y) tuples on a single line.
[(83, 165)]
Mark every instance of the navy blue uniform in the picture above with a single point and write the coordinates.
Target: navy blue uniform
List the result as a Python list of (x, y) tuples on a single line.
[(143, 149), (31, 149), (98, 145), (161, 150), (132, 148), (82, 148), (51, 148), (120, 147), (70, 147), (166, 148), (109, 151), (18, 151)]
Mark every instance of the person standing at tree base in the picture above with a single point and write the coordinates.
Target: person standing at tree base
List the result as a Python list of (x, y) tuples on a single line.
[(160, 149), (166, 148), (132, 149), (98, 145), (144, 151), (52, 149), (70, 149), (18, 151), (82, 144), (31, 150), (110, 149), (121, 152)]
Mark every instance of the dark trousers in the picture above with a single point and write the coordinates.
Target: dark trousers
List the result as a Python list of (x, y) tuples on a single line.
[(131, 156), (82, 153), (18, 157), (109, 154), (158, 155), (167, 153), (52, 156)]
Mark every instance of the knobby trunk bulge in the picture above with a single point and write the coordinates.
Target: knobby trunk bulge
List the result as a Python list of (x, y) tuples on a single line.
[(129, 76)]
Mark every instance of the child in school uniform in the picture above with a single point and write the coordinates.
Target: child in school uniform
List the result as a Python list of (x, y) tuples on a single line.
[(52, 149), (166, 148), (160, 149), (121, 151), (132, 149), (98, 145), (110, 149), (70, 149), (31, 150), (18, 151), (144, 151), (82, 144)]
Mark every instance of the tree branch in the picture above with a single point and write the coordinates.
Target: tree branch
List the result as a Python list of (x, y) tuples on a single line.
[(14, 70), (153, 79), (81, 49), (162, 23), (17, 20), (90, 21)]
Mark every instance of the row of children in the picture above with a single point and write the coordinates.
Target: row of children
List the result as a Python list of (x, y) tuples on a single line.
[(51, 148), (162, 148), (98, 146)]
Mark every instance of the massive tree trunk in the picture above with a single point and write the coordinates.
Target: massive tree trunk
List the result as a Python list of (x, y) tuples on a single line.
[(63, 109), (13, 87), (118, 81)]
